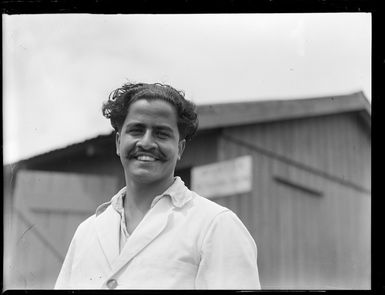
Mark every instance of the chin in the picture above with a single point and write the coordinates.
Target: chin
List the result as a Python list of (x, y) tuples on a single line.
[(148, 178), (149, 173)]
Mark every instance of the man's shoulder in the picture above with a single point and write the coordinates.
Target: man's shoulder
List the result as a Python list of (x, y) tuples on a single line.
[(206, 206), (86, 224), (89, 223)]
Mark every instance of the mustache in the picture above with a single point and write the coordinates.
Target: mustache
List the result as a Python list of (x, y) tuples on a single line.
[(155, 153)]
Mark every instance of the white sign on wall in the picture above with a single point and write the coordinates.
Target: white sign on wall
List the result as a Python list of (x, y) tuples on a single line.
[(223, 178)]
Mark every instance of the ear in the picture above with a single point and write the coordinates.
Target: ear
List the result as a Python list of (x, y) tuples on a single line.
[(181, 146), (117, 143)]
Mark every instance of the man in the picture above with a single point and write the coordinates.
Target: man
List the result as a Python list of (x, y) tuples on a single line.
[(155, 233)]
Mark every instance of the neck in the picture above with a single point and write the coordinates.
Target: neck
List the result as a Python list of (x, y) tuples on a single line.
[(139, 196)]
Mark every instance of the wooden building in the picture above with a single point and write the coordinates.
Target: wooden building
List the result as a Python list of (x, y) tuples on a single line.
[(308, 204)]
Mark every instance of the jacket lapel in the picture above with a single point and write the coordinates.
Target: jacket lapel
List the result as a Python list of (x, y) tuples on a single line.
[(153, 223), (108, 230)]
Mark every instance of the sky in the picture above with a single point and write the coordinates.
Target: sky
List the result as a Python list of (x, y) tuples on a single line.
[(58, 69)]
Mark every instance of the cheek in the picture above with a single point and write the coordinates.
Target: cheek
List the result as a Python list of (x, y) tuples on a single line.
[(170, 150), (126, 145)]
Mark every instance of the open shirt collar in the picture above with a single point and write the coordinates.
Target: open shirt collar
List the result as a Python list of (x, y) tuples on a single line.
[(177, 192)]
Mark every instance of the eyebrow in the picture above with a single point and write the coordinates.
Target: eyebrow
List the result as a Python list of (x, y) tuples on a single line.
[(158, 127)]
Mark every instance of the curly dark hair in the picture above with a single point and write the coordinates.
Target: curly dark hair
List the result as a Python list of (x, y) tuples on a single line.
[(119, 100)]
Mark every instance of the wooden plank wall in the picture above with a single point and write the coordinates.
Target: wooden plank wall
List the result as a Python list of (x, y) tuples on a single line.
[(336, 144), (48, 207), (203, 149), (312, 232)]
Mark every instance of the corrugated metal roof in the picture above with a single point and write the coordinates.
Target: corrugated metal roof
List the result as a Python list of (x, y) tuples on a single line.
[(230, 114), (212, 116)]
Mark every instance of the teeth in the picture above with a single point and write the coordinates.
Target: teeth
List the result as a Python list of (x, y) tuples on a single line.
[(146, 158)]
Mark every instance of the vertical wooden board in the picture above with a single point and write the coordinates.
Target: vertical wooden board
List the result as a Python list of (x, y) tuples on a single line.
[(275, 232), (344, 239), (309, 216), (307, 237), (261, 205), (45, 262), (297, 142), (311, 145), (358, 240), (347, 206), (328, 247), (287, 251), (364, 157), (364, 160), (293, 139), (8, 245), (364, 242), (299, 236), (362, 151), (298, 231), (346, 145), (21, 256), (51, 264), (22, 272), (325, 225), (270, 238), (302, 242), (354, 241), (262, 171), (352, 143), (330, 251), (12, 276), (325, 241), (282, 212), (316, 234), (348, 249), (341, 234)]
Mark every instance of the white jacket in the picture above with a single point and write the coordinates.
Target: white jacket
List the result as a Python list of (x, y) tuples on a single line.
[(185, 241)]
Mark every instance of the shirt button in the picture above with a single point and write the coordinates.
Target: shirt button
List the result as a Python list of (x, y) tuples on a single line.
[(112, 284)]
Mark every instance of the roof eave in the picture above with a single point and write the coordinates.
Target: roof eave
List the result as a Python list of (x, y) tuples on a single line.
[(224, 115)]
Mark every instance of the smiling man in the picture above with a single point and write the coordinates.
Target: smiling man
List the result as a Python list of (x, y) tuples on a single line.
[(155, 233)]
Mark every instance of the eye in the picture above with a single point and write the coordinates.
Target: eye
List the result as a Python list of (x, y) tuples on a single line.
[(162, 134), (135, 130)]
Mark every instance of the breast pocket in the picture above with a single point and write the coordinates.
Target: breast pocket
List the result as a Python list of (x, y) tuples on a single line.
[(161, 273), (168, 266)]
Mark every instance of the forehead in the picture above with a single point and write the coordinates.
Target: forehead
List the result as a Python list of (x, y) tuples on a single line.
[(155, 109)]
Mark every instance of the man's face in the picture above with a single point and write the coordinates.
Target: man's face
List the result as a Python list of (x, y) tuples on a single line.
[(148, 143)]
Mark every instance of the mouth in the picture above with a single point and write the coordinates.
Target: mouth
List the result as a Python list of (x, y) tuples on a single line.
[(145, 157)]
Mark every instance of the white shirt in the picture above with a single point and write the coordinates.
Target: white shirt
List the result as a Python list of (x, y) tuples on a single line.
[(117, 202), (184, 241)]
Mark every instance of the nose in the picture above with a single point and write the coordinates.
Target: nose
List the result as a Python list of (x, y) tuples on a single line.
[(146, 141)]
